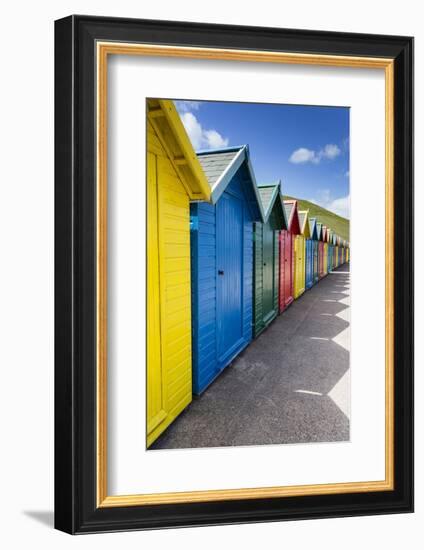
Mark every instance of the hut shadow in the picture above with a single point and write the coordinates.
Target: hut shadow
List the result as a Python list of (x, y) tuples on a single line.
[(290, 386)]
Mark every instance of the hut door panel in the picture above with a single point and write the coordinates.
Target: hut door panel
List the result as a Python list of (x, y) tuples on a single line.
[(268, 272), (288, 267), (282, 244), (319, 259), (229, 234), (300, 265), (155, 412), (308, 262), (311, 262)]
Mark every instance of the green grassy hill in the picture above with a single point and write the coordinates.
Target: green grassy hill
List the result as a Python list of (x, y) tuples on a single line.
[(333, 221)]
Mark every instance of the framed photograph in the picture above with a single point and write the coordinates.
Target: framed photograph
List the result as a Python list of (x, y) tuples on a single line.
[(234, 274)]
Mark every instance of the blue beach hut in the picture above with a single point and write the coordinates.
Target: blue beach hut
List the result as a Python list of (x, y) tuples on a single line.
[(314, 237), (222, 262)]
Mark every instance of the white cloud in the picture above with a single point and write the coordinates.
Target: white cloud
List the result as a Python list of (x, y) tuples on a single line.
[(214, 139), (185, 106), (199, 136), (330, 151), (302, 155), (340, 206), (194, 129), (345, 144)]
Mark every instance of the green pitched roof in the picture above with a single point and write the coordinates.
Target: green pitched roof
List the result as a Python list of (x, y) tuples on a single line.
[(271, 198), (266, 194)]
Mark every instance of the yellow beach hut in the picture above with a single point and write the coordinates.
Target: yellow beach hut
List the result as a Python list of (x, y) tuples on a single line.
[(300, 254), (326, 232), (174, 178)]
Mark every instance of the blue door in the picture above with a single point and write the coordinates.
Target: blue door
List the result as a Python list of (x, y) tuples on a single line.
[(315, 261), (309, 263), (229, 265)]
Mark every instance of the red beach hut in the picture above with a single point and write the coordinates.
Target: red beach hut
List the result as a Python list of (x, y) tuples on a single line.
[(287, 253)]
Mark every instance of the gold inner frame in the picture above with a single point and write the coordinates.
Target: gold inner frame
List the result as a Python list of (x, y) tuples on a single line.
[(104, 49)]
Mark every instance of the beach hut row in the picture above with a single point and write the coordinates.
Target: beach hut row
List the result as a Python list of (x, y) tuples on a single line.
[(225, 257)]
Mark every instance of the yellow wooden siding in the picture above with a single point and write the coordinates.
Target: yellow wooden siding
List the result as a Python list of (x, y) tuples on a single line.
[(299, 266), (325, 258), (155, 412), (169, 383)]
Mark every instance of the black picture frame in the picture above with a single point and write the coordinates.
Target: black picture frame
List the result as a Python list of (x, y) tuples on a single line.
[(75, 275)]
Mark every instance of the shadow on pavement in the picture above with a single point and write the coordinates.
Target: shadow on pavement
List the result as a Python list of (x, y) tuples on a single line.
[(277, 390)]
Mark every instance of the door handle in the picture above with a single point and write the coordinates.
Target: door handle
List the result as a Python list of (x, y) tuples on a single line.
[(264, 263), (220, 272)]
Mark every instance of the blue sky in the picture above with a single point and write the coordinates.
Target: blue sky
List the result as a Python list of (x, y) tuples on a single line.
[(307, 147)]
